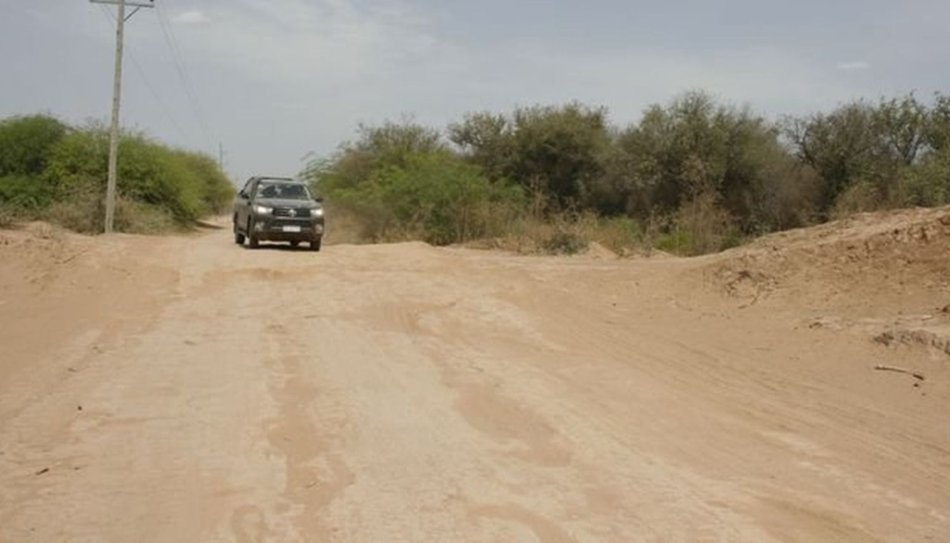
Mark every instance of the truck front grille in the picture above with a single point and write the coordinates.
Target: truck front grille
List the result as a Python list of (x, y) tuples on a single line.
[(299, 212)]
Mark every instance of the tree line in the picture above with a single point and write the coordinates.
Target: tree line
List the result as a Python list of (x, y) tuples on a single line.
[(696, 174)]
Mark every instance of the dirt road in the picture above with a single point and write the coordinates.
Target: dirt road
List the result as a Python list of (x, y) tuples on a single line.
[(186, 389)]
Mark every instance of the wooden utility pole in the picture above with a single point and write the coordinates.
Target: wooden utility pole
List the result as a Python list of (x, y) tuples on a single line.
[(120, 20)]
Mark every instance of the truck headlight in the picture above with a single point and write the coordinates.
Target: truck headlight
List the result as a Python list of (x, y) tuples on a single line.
[(263, 210), (318, 212)]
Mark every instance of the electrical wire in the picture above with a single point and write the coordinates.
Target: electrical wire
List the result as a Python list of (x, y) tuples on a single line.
[(166, 111), (170, 40)]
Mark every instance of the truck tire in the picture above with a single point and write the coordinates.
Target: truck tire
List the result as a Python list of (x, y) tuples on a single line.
[(238, 236), (252, 240)]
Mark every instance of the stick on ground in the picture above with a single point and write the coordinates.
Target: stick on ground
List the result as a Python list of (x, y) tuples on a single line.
[(881, 367)]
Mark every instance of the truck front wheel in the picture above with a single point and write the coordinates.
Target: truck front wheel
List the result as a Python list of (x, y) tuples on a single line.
[(252, 240)]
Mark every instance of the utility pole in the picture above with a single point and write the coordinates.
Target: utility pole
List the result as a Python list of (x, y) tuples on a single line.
[(221, 156), (120, 21)]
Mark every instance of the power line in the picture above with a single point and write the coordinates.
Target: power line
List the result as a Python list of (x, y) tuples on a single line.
[(169, 34), (166, 111)]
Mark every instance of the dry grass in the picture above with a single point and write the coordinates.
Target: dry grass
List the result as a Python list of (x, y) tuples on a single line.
[(343, 227), (699, 227), (568, 234), (84, 213), (8, 218)]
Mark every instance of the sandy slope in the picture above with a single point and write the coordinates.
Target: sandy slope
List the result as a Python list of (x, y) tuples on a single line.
[(185, 389)]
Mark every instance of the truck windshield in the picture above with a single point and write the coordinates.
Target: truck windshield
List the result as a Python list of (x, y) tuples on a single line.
[(283, 191)]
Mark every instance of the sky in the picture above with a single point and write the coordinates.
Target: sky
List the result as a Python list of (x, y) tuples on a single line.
[(275, 82)]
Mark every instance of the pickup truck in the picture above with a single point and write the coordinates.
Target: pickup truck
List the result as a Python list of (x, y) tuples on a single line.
[(278, 209)]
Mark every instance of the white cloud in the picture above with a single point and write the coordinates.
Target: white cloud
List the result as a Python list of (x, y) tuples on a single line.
[(854, 66), (191, 18)]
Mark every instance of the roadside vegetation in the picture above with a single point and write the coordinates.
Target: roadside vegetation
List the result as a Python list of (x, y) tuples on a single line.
[(692, 176), (55, 172)]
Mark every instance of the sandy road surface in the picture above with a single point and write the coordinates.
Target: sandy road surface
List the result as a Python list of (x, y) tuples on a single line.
[(185, 389)]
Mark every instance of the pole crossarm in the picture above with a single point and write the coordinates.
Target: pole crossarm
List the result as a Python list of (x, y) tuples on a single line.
[(132, 4)]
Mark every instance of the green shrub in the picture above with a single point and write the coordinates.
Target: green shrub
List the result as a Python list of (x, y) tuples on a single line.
[(25, 143), (24, 192), (619, 234), (926, 185), (79, 161), (25, 146), (185, 185), (434, 196), (215, 191), (49, 169), (678, 242)]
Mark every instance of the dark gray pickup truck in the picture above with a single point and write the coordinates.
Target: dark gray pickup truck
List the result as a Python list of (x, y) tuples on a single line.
[(277, 209)]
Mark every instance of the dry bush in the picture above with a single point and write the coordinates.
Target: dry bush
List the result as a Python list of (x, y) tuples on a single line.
[(532, 235), (81, 212), (860, 197), (343, 226), (566, 234), (47, 231), (8, 217), (84, 212), (137, 218), (700, 226), (622, 235)]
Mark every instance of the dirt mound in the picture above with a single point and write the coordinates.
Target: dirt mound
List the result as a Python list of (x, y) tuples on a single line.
[(596, 250), (52, 279), (935, 338), (38, 249), (898, 252)]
